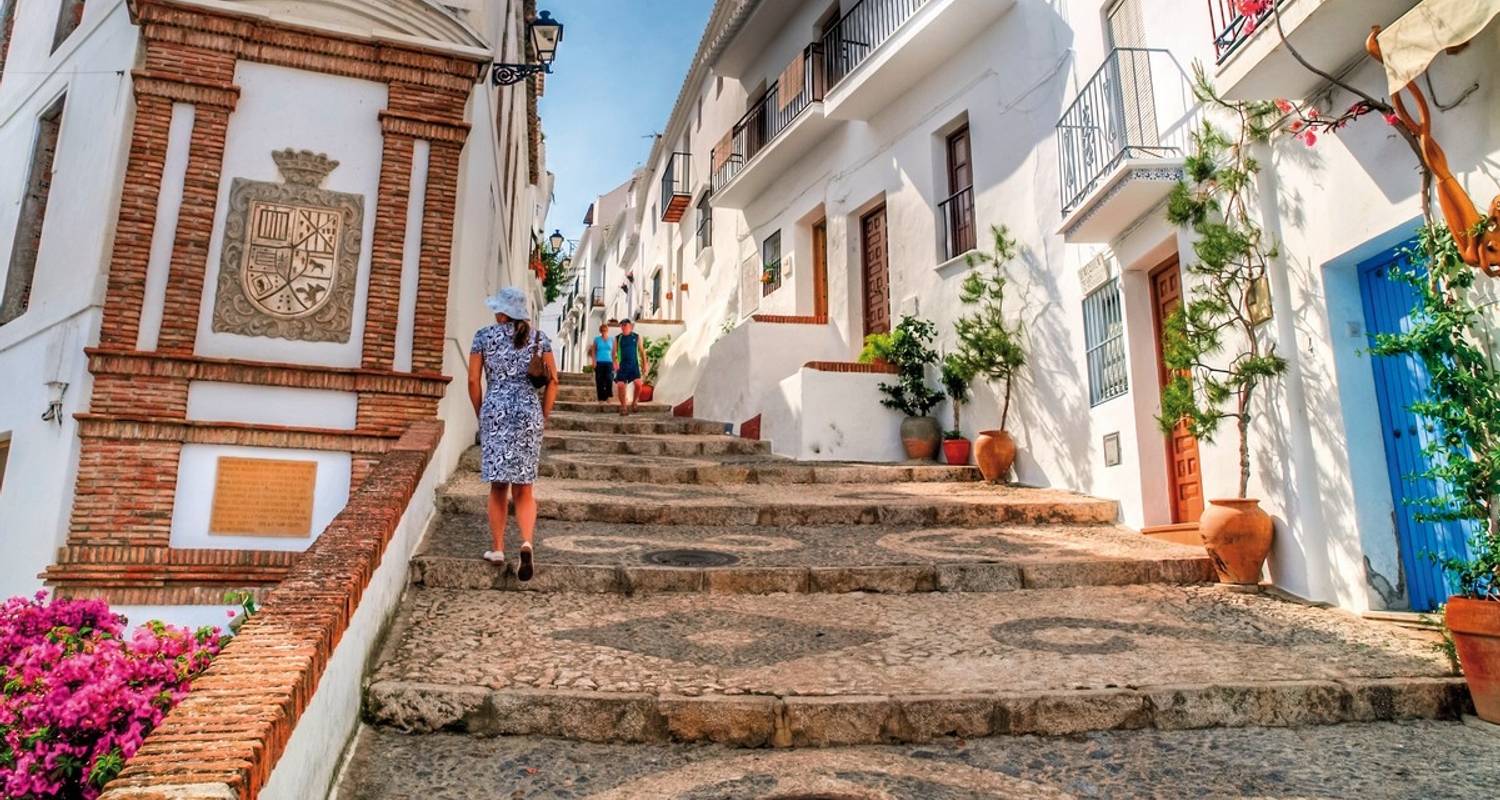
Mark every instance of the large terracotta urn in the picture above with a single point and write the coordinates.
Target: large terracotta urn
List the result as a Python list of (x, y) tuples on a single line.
[(1475, 625), (1237, 534), (995, 453), (920, 437)]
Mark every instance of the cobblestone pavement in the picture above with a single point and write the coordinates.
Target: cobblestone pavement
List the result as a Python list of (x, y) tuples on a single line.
[(1383, 761), (874, 645)]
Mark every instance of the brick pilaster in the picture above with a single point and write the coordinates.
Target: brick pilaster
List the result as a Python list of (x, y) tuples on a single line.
[(387, 250), (136, 221), (195, 225), (437, 256)]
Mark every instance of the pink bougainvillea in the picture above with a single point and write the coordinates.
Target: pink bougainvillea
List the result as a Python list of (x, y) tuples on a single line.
[(77, 697)]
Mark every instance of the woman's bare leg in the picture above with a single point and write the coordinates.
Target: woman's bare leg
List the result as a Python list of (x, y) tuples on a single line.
[(497, 512), (525, 511), (620, 397)]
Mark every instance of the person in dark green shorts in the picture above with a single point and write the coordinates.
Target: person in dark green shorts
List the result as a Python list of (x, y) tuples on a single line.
[(630, 365)]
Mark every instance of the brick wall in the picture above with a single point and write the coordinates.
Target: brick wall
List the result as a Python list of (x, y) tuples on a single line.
[(133, 434), (223, 740)]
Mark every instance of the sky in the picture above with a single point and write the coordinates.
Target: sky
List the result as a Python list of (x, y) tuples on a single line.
[(618, 71)]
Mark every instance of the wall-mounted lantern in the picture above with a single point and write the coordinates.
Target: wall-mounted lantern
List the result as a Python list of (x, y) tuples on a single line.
[(546, 33)]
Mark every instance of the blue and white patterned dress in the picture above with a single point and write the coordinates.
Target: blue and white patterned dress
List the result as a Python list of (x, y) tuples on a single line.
[(510, 418)]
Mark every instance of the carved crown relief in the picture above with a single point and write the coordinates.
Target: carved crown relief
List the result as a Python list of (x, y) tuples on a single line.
[(291, 254)]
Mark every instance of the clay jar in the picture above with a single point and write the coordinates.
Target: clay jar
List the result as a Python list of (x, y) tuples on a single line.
[(995, 452), (920, 437), (1475, 625), (1237, 534)]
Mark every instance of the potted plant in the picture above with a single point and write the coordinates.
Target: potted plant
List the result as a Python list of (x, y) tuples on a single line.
[(1453, 336), (909, 350), (1210, 346), (957, 374), (877, 350), (656, 349), (990, 344)]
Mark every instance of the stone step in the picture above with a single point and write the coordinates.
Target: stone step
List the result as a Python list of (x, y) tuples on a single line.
[(679, 444), (643, 559), (952, 504), (641, 424), (591, 406), (722, 469), (843, 669), (1411, 760)]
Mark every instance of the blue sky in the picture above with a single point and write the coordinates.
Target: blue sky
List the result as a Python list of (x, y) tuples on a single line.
[(617, 74)]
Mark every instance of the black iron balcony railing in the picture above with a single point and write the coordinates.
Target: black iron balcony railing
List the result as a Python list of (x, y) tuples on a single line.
[(1232, 27), (596, 297), (676, 190), (957, 213), (1138, 105), (860, 31), (768, 118)]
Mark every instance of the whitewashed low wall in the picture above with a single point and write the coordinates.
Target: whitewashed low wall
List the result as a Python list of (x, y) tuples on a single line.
[(832, 416), (744, 368)]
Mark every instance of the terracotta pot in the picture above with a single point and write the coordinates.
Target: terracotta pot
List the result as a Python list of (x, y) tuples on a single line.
[(647, 392), (1237, 534), (1476, 635), (995, 452), (920, 437), (956, 451)]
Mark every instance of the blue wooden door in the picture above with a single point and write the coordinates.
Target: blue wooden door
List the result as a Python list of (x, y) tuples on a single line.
[(1399, 382)]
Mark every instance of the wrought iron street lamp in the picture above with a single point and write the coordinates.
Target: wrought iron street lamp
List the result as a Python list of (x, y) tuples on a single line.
[(556, 240), (546, 33)]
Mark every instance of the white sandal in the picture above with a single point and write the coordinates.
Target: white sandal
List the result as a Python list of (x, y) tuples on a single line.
[(496, 557)]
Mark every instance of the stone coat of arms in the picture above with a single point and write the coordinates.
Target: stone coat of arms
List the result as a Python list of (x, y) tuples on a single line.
[(291, 254)]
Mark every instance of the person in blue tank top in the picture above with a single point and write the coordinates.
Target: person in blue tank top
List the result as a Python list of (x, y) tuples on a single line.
[(630, 365), (602, 350)]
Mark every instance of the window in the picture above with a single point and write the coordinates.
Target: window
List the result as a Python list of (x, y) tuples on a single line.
[(656, 291), (1104, 338), (4, 457), (7, 23), (69, 15), (770, 261), (958, 210), (18, 278), (705, 222)]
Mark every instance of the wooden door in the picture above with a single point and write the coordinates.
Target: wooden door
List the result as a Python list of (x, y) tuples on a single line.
[(820, 269), (877, 275), (1184, 471), (960, 164)]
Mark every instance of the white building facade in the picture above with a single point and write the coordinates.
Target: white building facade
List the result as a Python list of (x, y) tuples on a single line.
[(828, 166), (147, 356)]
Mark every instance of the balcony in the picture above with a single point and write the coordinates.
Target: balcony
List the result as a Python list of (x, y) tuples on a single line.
[(957, 215), (880, 49), (774, 134), (676, 190), (1253, 62), (1121, 143)]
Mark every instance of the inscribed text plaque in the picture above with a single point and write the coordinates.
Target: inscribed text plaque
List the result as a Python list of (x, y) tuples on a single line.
[(263, 497)]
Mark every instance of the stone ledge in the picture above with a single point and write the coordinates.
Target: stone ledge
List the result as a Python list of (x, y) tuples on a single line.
[(826, 721), (233, 726)]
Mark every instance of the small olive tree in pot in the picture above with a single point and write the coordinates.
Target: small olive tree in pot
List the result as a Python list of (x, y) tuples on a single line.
[(957, 375), (990, 346), (908, 348), (1210, 346)]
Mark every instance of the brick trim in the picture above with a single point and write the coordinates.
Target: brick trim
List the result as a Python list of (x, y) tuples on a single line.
[(185, 90), (233, 726), (422, 126), (195, 226), (136, 223), (128, 427), (430, 321), (387, 252), (750, 428), (850, 366), (788, 319), (104, 361)]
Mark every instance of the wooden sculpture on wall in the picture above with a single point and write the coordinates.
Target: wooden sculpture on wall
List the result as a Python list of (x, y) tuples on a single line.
[(1478, 237)]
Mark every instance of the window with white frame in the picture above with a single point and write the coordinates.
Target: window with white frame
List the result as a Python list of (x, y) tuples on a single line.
[(1104, 342)]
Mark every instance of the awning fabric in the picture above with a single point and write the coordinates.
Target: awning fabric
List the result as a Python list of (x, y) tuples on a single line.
[(1411, 43)]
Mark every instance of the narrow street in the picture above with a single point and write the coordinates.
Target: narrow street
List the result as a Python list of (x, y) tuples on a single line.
[(709, 620)]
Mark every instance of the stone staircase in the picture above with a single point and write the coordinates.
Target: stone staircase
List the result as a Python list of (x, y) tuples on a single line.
[(693, 588)]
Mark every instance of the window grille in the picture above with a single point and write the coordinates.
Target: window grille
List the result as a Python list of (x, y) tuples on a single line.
[(1104, 340)]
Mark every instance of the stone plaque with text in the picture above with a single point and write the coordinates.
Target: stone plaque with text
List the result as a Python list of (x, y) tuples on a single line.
[(263, 497)]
